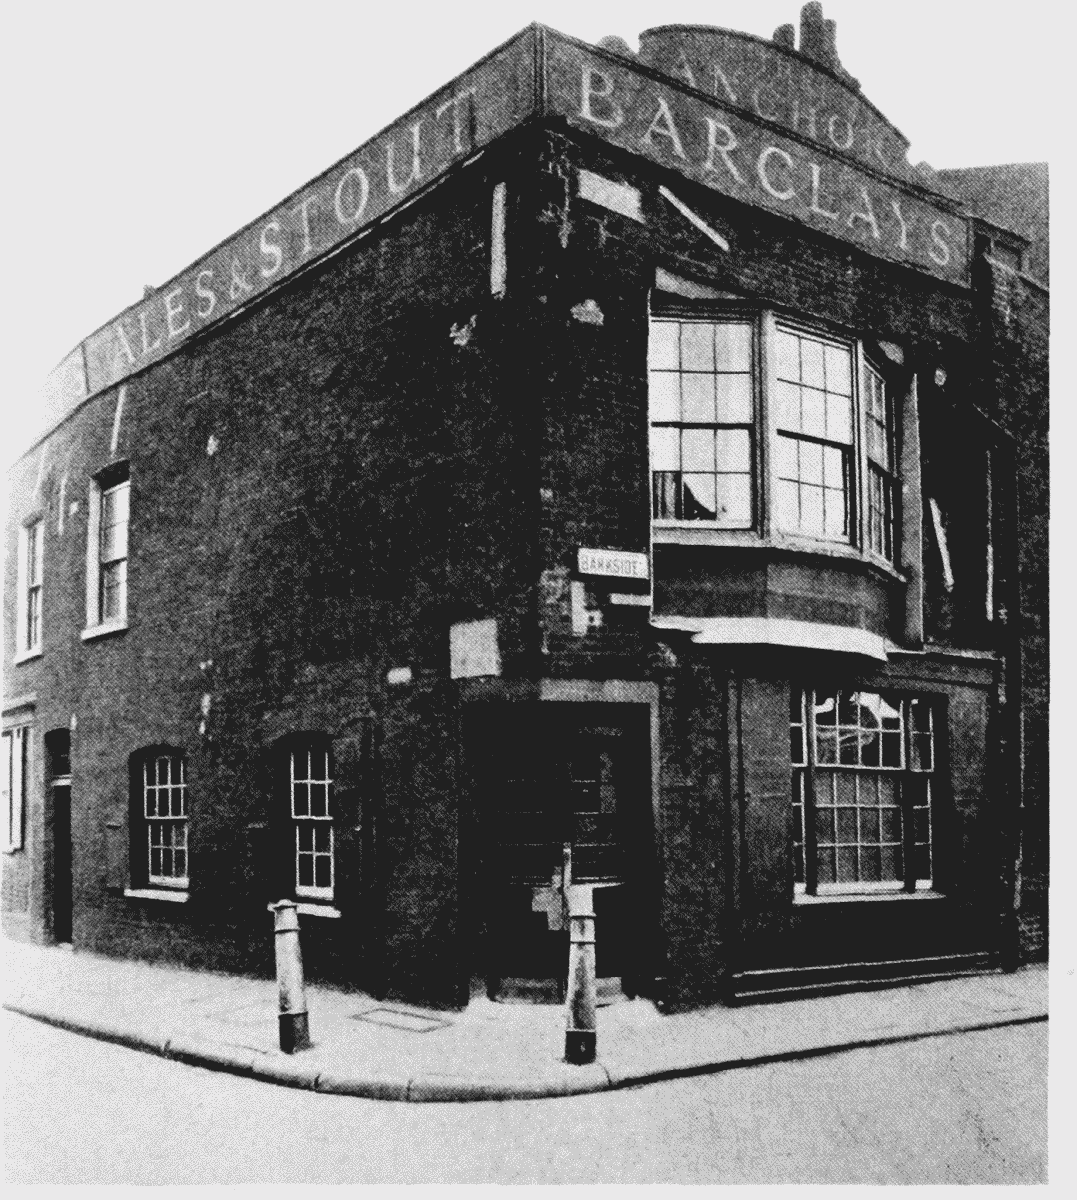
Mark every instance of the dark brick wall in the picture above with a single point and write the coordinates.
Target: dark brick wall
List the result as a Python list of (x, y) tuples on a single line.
[(396, 450)]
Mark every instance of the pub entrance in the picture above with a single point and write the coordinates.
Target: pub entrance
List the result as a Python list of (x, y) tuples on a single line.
[(557, 780)]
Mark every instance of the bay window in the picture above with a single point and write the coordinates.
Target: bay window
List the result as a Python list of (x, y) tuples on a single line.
[(762, 425)]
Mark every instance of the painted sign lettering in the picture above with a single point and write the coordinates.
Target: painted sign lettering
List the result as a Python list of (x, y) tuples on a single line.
[(453, 124), (708, 143), (624, 564), (772, 83)]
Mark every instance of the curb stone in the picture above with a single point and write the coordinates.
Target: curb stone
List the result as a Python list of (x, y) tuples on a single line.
[(433, 1087)]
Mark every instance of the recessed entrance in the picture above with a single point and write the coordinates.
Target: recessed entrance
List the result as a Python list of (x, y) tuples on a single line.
[(561, 786), (58, 757)]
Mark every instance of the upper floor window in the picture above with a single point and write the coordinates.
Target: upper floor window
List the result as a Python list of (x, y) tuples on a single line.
[(702, 421), (30, 570), (106, 550), (115, 512), (311, 794), (863, 791), (761, 424)]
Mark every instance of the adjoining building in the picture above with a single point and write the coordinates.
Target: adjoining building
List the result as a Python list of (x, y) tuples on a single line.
[(632, 452)]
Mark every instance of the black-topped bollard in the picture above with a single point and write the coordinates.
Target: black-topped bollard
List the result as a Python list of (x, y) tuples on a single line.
[(294, 1022), (581, 1036)]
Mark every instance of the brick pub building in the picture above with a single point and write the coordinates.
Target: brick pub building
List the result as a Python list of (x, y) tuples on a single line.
[(626, 451)]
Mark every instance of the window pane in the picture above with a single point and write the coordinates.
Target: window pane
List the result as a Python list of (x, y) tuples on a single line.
[(665, 396), (734, 450), (697, 399), (733, 346), (839, 374), (322, 871), (663, 346), (813, 412), (300, 799), (665, 450), (833, 468), (699, 497), (734, 399), (811, 462), (733, 496), (697, 450), (697, 346), (305, 876), (319, 799), (835, 519), (811, 363), (839, 419), (786, 506), (811, 511)]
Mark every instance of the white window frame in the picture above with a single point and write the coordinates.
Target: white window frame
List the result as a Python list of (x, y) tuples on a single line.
[(15, 765), (110, 481), (29, 599), (910, 741), (766, 437), (175, 822), (302, 821)]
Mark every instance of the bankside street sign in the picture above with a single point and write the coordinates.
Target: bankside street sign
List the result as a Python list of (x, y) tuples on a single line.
[(829, 168), (621, 564)]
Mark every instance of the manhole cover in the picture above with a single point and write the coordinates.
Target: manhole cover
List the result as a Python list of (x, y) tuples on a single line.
[(398, 1018)]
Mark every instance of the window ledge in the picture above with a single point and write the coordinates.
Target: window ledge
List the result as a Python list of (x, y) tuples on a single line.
[(27, 656), (680, 533), (173, 897), (306, 908), (860, 897), (104, 630)]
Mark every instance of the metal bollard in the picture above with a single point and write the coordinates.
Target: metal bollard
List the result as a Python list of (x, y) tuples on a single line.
[(294, 1022), (580, 1021)]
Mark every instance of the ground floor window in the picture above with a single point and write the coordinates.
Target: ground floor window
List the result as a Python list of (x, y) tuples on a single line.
[(311, 786), (863, 790), (161, 837), (16, 744)]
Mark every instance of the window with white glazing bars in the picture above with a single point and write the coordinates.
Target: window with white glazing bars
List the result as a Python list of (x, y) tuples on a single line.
[(883, 491), (815, 445), (311, 798), (164, 798), (863, 783), (115, 516), (702, 414)]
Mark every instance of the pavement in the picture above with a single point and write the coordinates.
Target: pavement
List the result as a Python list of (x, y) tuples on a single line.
[(490, 1051)]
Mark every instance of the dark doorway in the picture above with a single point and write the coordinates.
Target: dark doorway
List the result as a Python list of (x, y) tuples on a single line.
[(550, 775), (58, 752)]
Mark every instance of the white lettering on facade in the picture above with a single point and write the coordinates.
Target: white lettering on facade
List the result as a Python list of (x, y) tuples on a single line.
[(811, 130), (205, 292), (867, 215), (720, 78), (143, 322), (939, 232), (728, 145), (850, 134), (240, 285), (758, 106), (685, 68), (454, 102), (767, 154), (396, 188), (270, 250), (173, 312), (816, 207), (303, 209), (614, 112), (123, 344), (359, 205), (666, 129)]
